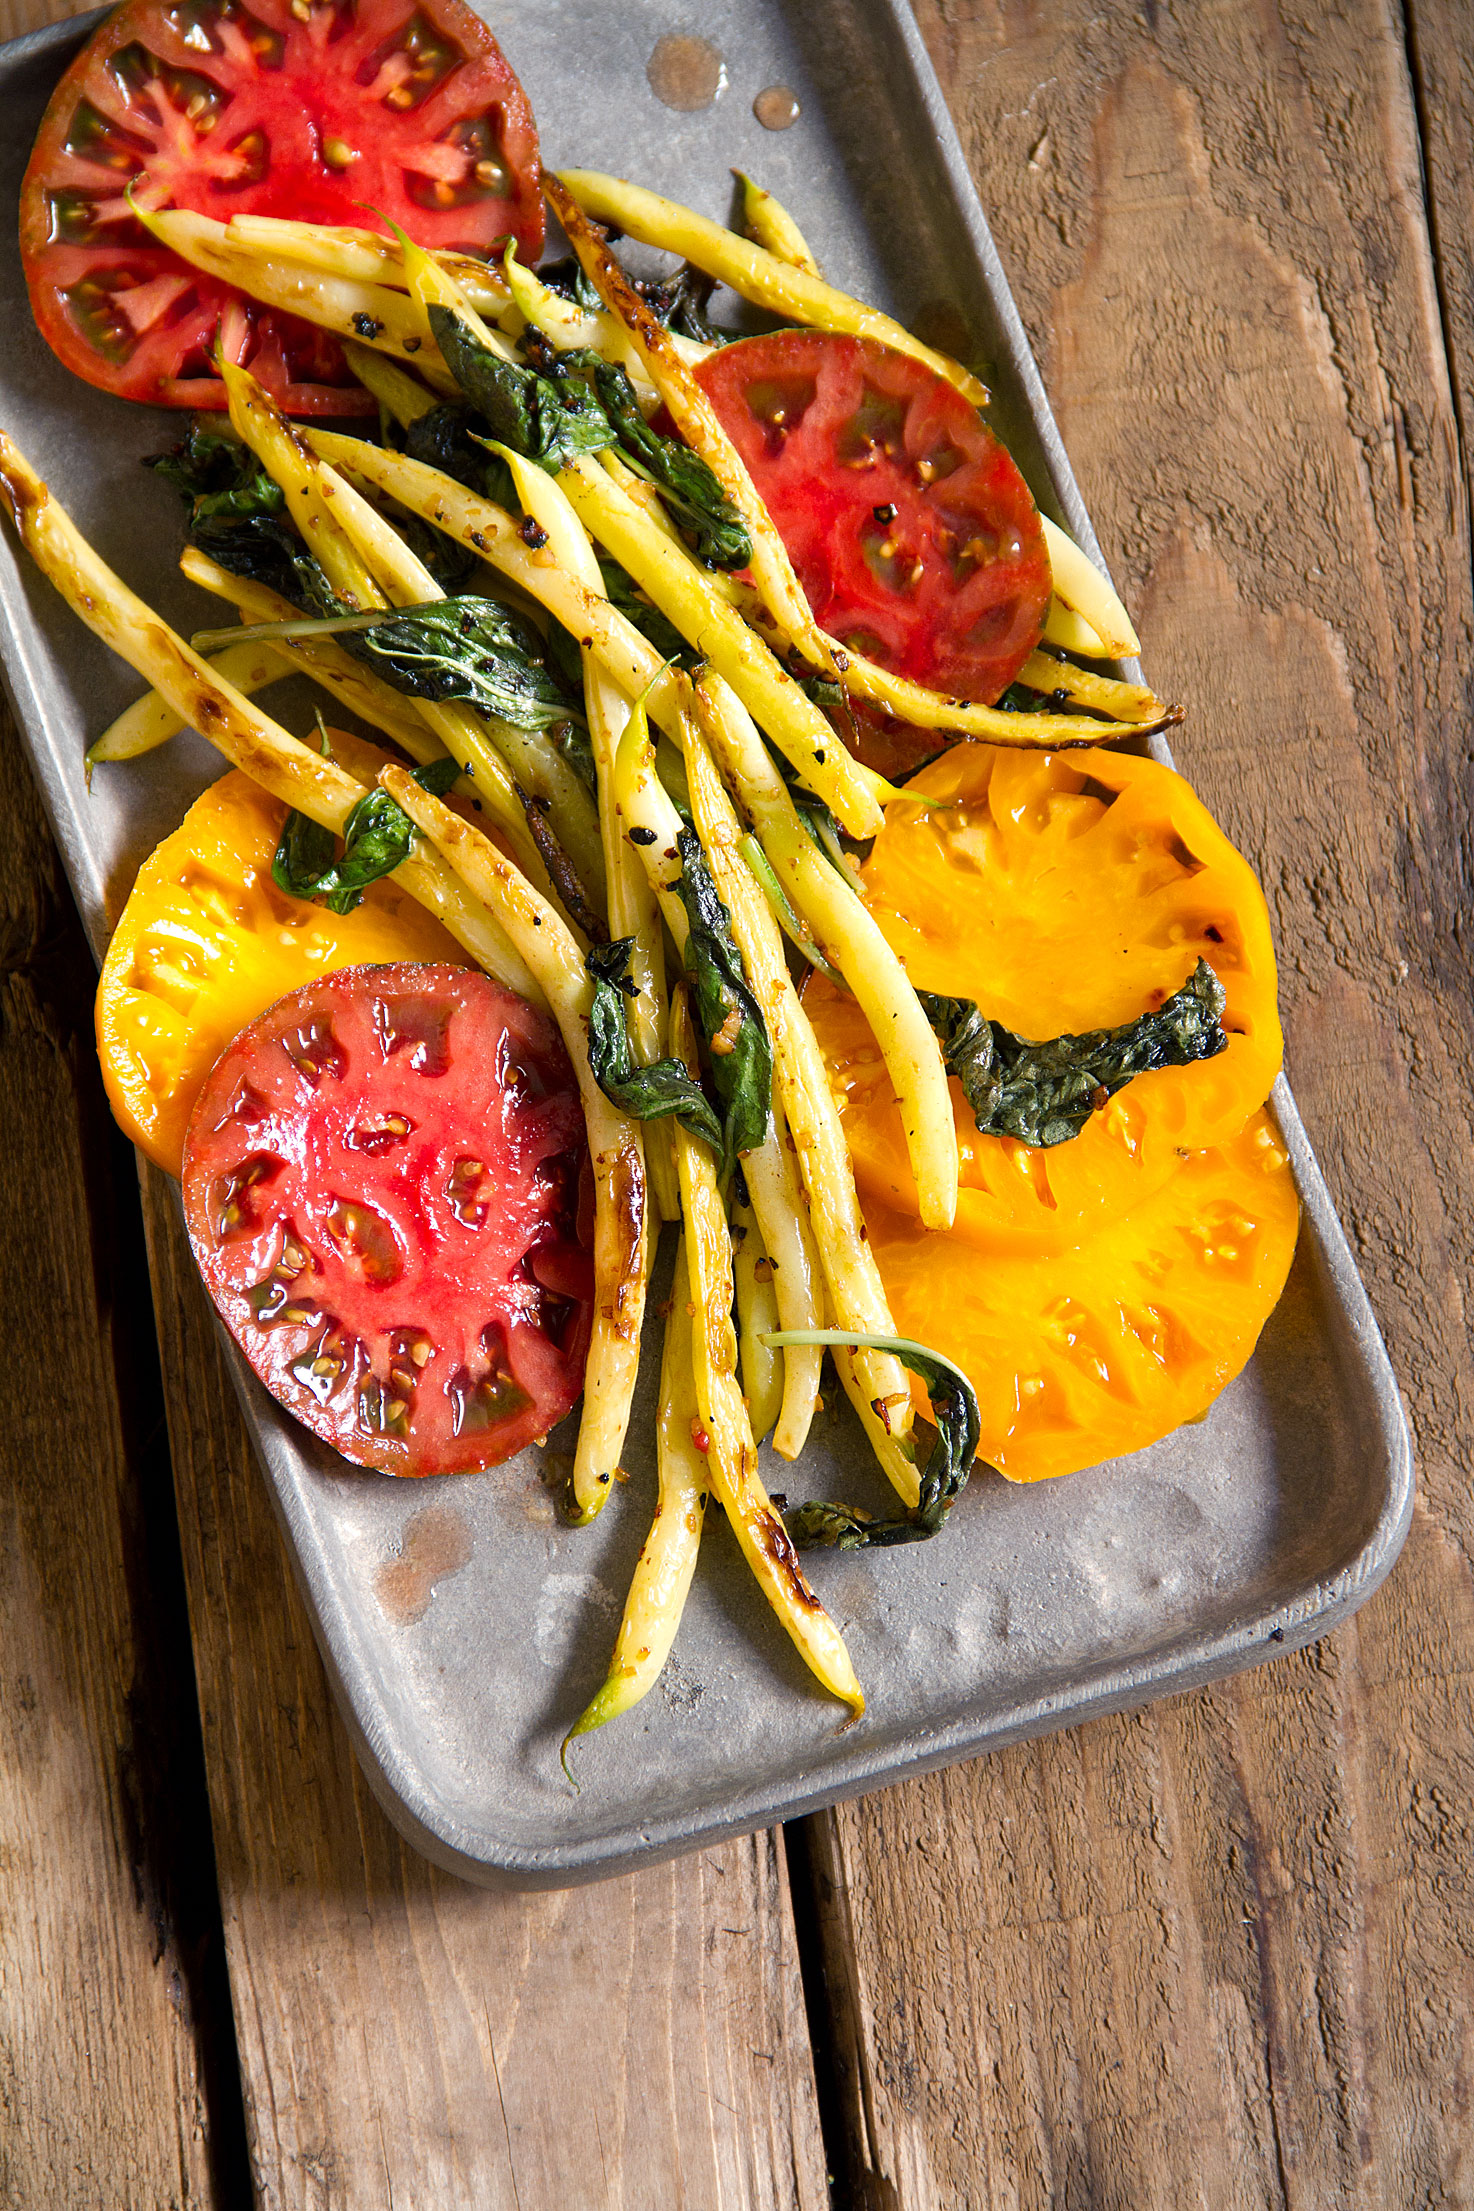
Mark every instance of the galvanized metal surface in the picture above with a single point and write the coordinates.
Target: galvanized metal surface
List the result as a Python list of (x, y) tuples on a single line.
[(1255, 1532)]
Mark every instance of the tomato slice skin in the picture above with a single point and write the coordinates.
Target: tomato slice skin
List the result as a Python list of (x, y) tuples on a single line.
[(384, 1186), (254, 107), (207, 941), (909, 526)]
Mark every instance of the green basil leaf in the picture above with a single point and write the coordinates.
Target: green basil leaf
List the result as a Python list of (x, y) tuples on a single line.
[(717, 530), (470, 648), (571, 739), (666, 1090), (943, 1478), (438, 776), (546, 421), (443, 439), (376, 837), (1045, 1093), (266, 549), (727, 1013), (218, 474), (304, 857)]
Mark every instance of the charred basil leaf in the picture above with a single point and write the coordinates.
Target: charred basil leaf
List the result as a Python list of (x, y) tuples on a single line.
[(550, 423), (568, 279), (681, 305), (442, 439), (376, 837), (664, 1091), (265, 548), (727, 1013), (955, 1411), (701, 508), (218, 473), (1045, 1093)]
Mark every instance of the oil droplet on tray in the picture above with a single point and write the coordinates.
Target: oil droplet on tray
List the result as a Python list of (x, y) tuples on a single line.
[(435, 1542), (686, 73), (776, 108)]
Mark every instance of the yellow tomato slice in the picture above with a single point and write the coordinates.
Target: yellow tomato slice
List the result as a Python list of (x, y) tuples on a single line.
[(1089, 1353), (1061, 892), (207, 941)]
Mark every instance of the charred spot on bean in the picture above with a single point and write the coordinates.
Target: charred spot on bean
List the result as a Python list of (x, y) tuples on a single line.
[(773, 1539), (642, 836), (367, 326)]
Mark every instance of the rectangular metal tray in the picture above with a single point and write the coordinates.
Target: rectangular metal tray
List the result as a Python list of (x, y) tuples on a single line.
[(1254, 1532)]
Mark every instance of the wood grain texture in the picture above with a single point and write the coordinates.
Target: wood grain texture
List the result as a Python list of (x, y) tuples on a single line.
[(407, 2039), (20, 16), (101, 2084), (1217, 1953)]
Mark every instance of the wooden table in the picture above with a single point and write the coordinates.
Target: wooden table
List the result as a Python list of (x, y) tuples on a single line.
[(1215, 1953)]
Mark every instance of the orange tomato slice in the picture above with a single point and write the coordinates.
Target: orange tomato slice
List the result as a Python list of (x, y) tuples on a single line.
[(1061, 892), (1090, 1353), (207, 941)]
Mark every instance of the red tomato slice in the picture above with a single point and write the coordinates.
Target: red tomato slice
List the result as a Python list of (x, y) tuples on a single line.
[(312, 109), (909, 526), (387, 1188)]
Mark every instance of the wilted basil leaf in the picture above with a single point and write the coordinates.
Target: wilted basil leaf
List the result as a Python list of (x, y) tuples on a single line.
[(376, 837), (218, 473), (696, 499), (1045, 1093), (550, 423), (727, 1014), (664, 1091), (955, 1411), (467, 648), (681, 304)]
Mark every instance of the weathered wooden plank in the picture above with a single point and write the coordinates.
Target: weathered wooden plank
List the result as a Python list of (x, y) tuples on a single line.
[(19, 16), (404, 2037), (103, 1969), (1217, 1953), (407, 2038)]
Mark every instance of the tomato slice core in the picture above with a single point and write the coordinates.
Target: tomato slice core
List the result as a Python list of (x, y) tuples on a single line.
[(909, 526), (315, 111), (384, 1180)]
